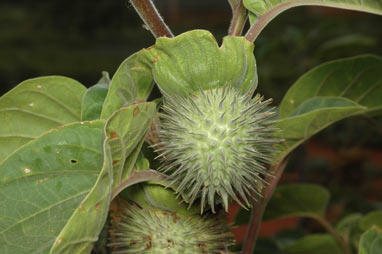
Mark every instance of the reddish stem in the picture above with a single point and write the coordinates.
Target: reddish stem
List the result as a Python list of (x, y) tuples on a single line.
[(150, 15), (259, 207)]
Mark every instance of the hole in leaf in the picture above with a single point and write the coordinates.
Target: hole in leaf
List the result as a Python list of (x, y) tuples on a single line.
[(73, 161)]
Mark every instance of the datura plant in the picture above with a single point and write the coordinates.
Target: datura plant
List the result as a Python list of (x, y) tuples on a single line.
[(76, 171)]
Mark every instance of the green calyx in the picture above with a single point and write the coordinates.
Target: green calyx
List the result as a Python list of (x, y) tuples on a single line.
[(149, 195), (215, 144), (193, 60), (153, 231)]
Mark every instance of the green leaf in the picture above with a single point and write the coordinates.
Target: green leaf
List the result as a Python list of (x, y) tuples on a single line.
[(308, 200), (194, 60), (356, 78), (371, 219), (267, 10), (132, 164), (92, 102), (105, 79), (35, 106), (314, 244), (290, 200), (93, 99), (348, 228), (44, 182), (327, 94), (86, 223), (131, 83), (348, 224), (141, 163), (126, 129), (317, 103), (371, 242)]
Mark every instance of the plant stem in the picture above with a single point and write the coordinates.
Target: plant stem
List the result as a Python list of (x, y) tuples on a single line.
[(335, 234), (259, 208), (239, 17), (233, 3), (150, 15)]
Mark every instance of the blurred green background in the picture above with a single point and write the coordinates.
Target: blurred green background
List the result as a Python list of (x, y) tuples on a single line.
[(81, 38)]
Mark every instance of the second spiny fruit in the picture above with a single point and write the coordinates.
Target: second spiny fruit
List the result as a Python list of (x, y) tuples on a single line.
[(156, 231)]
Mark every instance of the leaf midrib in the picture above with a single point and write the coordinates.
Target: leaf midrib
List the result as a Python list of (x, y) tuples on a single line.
[(34, 114), (321, 109)]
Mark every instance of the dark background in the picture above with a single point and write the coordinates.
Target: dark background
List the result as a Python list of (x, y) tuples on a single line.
[(81, 38)]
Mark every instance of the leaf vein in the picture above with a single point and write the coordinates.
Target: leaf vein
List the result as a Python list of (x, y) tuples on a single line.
[(360, 98), (43, 210), (55, 101), (353, 82)]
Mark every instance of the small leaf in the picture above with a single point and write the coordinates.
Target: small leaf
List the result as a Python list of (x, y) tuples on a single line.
[(371, 219), (348, 228), (314, 244), (126, 129), (371, 242), (193, 60), (44, 182), (290, 200), (92, 102), (93, 99), (35, 106), (141, 163), (132, 160), (105, 79), (132, 83), (297, 200), (327, 94), (348, 224)]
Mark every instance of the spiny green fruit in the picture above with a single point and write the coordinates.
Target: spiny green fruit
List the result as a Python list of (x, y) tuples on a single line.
[(153, 231), (215, 144)]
